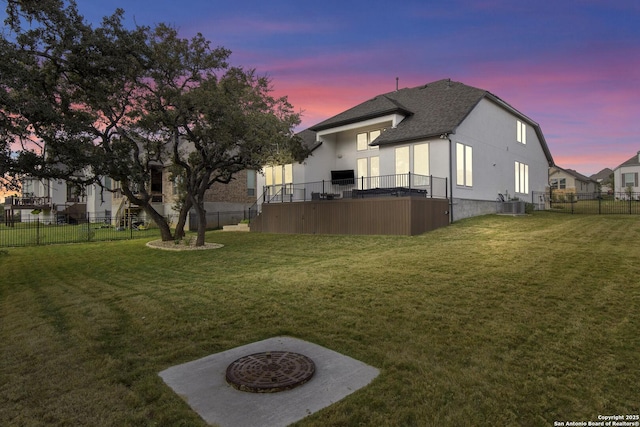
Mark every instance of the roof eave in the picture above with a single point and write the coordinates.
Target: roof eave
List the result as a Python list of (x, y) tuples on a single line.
[(441, 135), (320, 127)]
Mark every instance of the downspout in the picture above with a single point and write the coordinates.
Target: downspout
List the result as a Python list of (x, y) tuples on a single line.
[(450, 180)]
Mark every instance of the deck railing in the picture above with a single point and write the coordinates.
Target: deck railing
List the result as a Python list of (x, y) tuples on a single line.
[(28, 201), (408, 184)]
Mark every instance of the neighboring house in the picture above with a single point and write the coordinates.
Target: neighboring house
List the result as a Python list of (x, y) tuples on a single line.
[(56, 201), (604, 180), (626, 177), (472, 143), (226, 202), (565, 181)]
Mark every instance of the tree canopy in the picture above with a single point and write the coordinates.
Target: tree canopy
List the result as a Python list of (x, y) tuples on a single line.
[(83, 102)]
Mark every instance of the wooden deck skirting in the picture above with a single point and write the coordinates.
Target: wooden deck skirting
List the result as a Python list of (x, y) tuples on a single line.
[(407, 216)]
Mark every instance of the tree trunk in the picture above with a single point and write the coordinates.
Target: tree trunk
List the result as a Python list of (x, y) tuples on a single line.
[(202, 222), (163, 225), (182, 219)]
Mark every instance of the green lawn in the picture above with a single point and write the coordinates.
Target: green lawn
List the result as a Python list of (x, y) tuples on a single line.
[(34, 233), (496, 320)]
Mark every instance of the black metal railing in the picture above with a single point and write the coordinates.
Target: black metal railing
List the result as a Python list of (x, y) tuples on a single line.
[(624, 202), (27, 201), (38, 232), (408, 184)]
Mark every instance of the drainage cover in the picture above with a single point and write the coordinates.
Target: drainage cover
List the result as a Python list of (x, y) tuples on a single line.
[(270, 371)]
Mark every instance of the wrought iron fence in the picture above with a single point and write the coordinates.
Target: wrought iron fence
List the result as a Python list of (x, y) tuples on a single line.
[(37, 232), (589, 203)]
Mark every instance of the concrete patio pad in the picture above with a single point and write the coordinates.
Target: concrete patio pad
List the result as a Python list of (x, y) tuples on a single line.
[(202, 384)]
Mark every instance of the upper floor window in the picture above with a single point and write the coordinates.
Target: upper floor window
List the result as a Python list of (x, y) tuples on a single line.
[(464, 165), (365, 138), (521, 132), (522, 178)]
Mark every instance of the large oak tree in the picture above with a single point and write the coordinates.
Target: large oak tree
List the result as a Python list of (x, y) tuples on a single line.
[(118, 102)]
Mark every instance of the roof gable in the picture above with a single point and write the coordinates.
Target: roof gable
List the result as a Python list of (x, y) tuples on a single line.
[(379, 106), (633, 161)]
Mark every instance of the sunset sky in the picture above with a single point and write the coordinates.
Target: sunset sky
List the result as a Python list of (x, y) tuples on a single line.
[(571, 65)]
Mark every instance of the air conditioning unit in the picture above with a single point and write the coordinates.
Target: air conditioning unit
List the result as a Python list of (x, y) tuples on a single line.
[(513, 208)]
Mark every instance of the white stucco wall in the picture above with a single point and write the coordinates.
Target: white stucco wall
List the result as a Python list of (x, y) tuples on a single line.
[(491, 131)]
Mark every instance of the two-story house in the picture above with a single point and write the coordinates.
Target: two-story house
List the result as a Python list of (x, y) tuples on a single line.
[(56, 200), (463, 143)]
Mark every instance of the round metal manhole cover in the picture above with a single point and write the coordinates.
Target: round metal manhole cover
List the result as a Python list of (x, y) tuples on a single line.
[(270, 371)]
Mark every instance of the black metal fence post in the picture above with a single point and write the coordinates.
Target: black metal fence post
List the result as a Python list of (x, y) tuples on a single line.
[(431, 185), (599, 204), (88, 228)]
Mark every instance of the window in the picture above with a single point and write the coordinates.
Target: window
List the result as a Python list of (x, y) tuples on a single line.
[(402, 166), (363, 172), (421, 164), (522, 178), (558, 184), (630, 179), (277, 177), (251, 182), (369, 168), (374, 168), (362, 141), (464, 165), (74, 193), (365, 138), (521, 132)]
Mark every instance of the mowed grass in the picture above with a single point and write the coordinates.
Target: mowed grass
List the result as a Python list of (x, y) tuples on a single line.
[(495, 320)]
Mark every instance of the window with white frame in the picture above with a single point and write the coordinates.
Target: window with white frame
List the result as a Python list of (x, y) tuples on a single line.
[(421, 164), (279, 178), (402, 166), (630, 179), (558, 184), (464, 165), (365, 138), (522, 178), (521, 132), (368, 172)]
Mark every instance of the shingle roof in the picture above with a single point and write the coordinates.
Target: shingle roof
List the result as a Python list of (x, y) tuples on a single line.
[(603, 175), (635, 160), (430, 110), (577, 175), (309, 139), (379, 106)]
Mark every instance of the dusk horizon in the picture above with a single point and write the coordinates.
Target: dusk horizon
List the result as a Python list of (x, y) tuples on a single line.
[(571, 66)]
